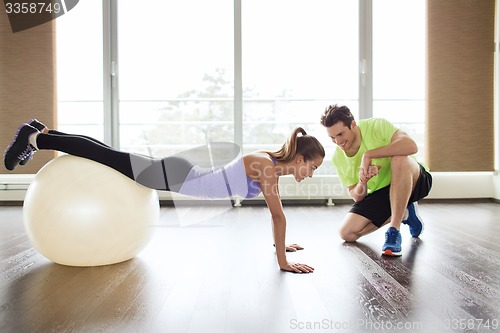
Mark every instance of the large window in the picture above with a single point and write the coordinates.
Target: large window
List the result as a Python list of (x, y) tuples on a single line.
[(193, 71), (175, 74), (80, 69), (298, 57), (399, 65)]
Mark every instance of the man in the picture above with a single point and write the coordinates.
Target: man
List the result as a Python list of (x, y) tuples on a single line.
[(374, 161)]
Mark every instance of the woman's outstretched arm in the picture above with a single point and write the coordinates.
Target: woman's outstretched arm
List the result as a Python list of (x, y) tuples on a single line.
[(269, 187)]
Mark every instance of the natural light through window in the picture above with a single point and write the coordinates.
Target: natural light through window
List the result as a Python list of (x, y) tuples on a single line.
[(176, 70)]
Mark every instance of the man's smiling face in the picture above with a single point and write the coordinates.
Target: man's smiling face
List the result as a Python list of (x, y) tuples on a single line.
[(342, 135)]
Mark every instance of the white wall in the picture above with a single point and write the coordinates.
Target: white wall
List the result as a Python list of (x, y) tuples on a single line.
[(497, 186), (445, 186)]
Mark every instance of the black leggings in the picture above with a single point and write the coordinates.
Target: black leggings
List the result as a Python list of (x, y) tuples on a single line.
[(147, 171)]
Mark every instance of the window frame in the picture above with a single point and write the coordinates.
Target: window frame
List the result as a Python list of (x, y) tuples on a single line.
[(111, 69)]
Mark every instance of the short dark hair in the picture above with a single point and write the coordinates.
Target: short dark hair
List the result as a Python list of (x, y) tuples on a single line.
[(334, 113)]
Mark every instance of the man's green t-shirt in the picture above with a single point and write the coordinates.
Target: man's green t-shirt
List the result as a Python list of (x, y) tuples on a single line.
[(375, 133)]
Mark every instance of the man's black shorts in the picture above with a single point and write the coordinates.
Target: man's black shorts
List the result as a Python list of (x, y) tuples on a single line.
[(376, 206)]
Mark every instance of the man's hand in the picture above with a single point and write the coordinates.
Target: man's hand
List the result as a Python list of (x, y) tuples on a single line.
[(366, 174)]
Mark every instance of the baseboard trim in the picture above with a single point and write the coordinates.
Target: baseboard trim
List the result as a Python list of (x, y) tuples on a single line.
[(286, 202)]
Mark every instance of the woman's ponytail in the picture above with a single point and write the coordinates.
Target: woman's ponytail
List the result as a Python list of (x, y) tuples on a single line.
[(303, 144)]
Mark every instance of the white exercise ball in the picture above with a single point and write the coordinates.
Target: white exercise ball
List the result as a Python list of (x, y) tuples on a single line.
[(78, 212)]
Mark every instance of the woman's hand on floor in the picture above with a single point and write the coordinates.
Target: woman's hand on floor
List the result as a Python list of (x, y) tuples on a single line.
[(297, 268), (293, 247)]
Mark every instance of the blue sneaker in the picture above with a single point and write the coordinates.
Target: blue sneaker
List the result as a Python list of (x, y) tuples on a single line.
[(392, 246), (414, 221)]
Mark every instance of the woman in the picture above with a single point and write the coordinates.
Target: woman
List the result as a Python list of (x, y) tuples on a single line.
[(245, 176)]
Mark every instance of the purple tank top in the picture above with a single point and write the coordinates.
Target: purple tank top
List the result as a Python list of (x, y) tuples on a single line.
[(226, 182)]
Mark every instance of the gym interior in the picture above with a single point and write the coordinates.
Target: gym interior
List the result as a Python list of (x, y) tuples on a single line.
[(162, 78)]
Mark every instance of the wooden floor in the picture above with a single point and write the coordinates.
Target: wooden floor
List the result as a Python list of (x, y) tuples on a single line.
[(220, 275)]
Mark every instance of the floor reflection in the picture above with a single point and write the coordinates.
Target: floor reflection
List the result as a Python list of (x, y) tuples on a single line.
[(56, 296)]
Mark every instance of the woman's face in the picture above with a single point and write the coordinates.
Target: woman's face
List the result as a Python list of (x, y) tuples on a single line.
[(305, 169)]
